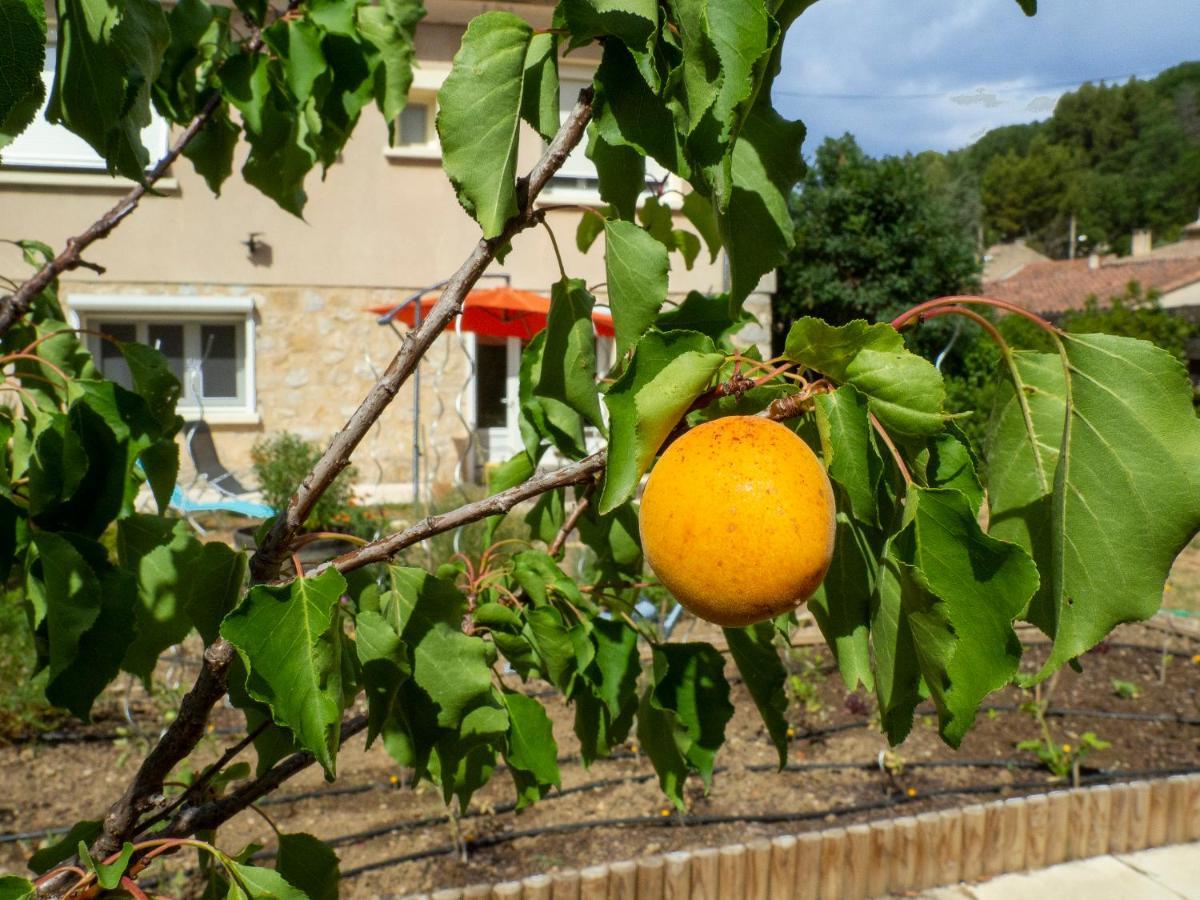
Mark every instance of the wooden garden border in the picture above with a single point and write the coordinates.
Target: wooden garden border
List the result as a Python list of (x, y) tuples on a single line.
[(907, 853)]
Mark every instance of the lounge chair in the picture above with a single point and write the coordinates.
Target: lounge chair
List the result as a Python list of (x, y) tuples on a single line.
[(198, 440)]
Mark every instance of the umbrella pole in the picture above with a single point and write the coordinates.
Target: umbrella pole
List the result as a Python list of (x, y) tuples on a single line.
[(416, 435)]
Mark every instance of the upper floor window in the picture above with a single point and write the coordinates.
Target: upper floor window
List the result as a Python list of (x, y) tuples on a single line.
[(415, 130), (46, 146), (208, 343)]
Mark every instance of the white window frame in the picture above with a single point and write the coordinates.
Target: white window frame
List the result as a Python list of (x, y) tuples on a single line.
[(571, 79), (46, 146), (424, 90), (87, 310)]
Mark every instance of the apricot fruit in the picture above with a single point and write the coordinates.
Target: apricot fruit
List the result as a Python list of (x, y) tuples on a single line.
[(738, 520)]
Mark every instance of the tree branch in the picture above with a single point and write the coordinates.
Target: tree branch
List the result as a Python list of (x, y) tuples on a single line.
[(497, 504), (265, 564), (568, 526), (212, 814)]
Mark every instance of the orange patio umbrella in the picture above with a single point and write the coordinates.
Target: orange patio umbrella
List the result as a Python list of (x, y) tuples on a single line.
[(499, 312)]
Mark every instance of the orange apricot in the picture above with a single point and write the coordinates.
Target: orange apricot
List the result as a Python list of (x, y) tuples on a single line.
[(738, 520)]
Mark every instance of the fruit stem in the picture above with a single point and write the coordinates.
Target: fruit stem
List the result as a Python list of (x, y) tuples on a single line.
[(921, 310)]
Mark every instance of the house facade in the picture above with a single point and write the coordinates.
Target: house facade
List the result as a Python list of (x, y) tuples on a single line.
[(264, 316)]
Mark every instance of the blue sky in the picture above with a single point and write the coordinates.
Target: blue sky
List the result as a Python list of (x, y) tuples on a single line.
[(912, 75)]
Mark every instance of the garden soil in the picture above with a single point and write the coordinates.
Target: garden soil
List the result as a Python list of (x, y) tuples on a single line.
[(64, 777)]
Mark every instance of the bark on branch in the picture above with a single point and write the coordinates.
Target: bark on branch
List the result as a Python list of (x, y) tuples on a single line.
[(497, 504)]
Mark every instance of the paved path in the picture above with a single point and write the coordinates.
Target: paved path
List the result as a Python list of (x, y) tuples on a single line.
[(1167, 873)]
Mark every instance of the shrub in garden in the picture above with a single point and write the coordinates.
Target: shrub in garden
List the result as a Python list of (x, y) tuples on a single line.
[(280, 463), (1089, 469)]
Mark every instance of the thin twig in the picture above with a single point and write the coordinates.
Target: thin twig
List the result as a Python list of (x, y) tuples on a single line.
[(207, 775), (497, 504), (568, 526), (212, 814)]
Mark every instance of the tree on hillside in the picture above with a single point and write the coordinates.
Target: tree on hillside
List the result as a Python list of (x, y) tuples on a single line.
[(1117, 157), (874, 236)]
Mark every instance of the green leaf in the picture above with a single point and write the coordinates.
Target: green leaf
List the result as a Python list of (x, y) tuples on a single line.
[(656, 736), (450, 672), (700, 213), (590, 227), (708, 314), (1029, 7), (848, 449), (108, 875), (897, 672), (830, 349), (951, 464), (214, 587), (259, 883), (385, 667), (568, 371), (48, 857), (308, 864), (164, 556), (544, 419), (757, 228), (13, 887), (22, 114), (667, 372), (621, 172), (199, 33), (288, 637), (211, 150), (635, 265), (513, 471), (547, 516), (389, 28), (23, 37), (539, 91), (88, 612), (685, 710), (108, 56), (1122, 500), (297, 43), (842, 604), (753, 650), (905, 391), (616, 543), (479, 111), (628, 113), (633, 21), (605, 693), (976, 585), (532, 751), (160, 462)]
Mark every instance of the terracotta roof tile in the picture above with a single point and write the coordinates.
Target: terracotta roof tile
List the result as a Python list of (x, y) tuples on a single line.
[(1059, 285)]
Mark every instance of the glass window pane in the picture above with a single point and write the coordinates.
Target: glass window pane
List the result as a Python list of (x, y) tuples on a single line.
[(168, 340), (218, 362), (111, 362), (491, 373), (414, 124)]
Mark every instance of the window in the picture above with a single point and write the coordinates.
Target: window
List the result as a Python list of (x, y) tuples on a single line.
[(576, 181), (208, 343), (415, 130), (43, 145)]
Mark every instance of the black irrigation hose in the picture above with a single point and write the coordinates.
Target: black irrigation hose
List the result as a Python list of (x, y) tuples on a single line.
[(725, 819)]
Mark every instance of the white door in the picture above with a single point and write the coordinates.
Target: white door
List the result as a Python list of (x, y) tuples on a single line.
[(496, 395)]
